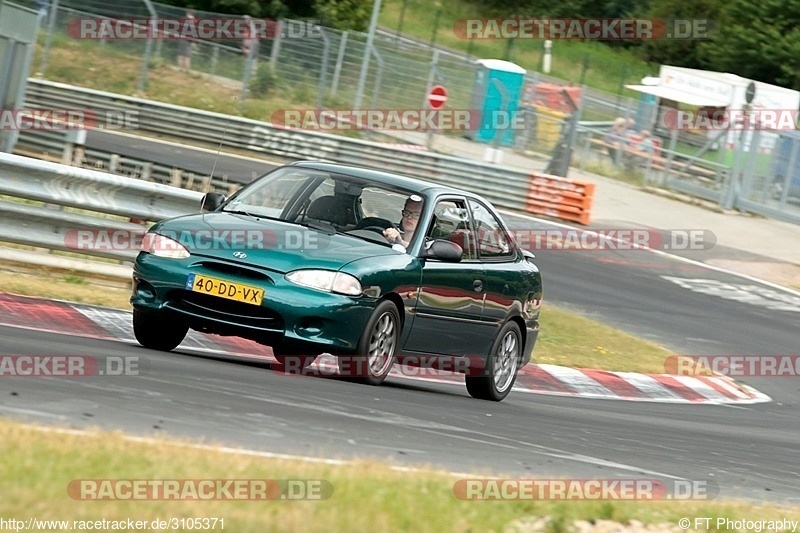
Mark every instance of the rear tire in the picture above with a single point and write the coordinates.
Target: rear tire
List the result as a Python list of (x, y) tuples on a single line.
[(500, 371), (158, 331), (376, 349)]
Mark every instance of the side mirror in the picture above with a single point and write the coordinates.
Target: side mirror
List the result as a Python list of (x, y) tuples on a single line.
[(443, 251), (211, 201), (529, 257)]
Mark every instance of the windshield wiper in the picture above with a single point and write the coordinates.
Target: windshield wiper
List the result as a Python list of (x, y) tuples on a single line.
[(241, 212), (328, 229), (254, 215)]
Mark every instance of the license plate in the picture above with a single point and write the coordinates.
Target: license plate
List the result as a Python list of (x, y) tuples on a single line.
[(225, 289)]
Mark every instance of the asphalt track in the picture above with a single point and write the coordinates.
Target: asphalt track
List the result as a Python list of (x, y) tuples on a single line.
[(747, 451), (630, 290), (202, 161)]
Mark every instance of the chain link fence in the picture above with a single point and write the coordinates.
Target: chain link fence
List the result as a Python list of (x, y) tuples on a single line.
[(321, 65)]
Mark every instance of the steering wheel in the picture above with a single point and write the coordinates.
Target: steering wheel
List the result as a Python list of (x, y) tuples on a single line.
[(376, 228)]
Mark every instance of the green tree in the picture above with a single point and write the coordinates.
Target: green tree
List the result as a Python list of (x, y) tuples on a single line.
[(563, 8), (758, 39), (682, 52), (344, 14)]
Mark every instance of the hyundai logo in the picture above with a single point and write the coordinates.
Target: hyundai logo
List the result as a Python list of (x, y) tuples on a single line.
[(239, 255)]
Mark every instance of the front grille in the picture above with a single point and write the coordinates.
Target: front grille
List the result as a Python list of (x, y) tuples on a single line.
[(231, 269), (217, 308)]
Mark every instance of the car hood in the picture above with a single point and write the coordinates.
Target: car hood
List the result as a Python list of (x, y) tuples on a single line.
[(271, 244)]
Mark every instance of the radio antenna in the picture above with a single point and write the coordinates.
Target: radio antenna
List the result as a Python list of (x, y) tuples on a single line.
[(219, 148)]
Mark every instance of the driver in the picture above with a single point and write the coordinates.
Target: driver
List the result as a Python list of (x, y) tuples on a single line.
[(408, 222)]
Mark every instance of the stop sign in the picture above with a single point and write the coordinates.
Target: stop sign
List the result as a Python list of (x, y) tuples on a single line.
[(437, 97)]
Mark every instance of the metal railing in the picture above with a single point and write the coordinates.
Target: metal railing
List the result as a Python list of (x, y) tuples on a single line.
[(504, 186), (51, 203)]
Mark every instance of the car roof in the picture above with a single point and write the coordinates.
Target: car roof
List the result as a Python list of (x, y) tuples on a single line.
[(389, 178)]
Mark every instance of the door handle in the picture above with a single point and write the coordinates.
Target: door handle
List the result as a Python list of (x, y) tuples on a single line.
[(477, 285)]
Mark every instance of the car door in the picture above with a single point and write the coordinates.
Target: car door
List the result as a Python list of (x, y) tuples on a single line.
[(505, 283), (450, 298)]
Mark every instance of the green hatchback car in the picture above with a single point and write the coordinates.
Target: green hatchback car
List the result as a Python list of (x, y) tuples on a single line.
[(372, 267)]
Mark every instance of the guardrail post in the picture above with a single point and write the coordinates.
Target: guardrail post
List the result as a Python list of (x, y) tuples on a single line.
[(66, 154), (177, 178), (113, 163), (147, 171)]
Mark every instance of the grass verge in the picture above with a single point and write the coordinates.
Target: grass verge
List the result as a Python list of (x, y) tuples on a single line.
[(576, 61), (366, 496), (565, 338), (63, 285)]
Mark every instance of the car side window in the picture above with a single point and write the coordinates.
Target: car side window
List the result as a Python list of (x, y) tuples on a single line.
[(451, 222), (493, 241)]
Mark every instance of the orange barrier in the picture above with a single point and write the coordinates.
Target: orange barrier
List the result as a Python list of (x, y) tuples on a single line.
[(560, 198)]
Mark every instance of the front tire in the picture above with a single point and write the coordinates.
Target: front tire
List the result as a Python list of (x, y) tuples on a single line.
[(291, 359), (377, 347), (498, 376), (158, 331)]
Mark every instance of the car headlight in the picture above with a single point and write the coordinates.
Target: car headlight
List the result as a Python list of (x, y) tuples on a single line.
[(162, 246), (326, 280)]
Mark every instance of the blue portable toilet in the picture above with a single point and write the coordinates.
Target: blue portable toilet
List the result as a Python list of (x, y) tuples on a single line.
[(496, 95)]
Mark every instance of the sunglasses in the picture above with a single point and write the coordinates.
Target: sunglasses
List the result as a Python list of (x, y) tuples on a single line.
[(412, 214)]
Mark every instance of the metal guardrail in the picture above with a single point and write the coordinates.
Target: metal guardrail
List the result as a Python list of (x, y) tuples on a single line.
[(505, 187), (78, 210), (102, 201)]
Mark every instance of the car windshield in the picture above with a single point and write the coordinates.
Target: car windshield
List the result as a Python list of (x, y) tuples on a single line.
[(329, 202)]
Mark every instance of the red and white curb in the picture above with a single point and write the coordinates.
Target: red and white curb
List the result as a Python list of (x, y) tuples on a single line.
[(112, 324)]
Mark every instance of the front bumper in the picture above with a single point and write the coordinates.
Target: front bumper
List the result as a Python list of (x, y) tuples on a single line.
[(288, 312)]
